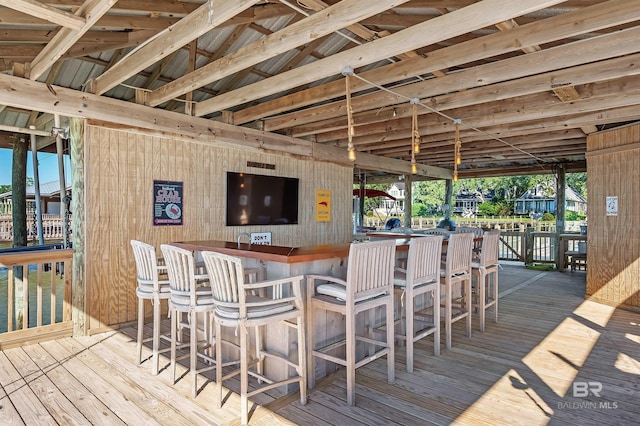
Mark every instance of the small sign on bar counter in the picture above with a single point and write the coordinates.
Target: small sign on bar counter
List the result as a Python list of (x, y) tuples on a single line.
[(261, 238)]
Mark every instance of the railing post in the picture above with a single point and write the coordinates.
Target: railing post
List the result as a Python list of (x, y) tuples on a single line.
[(528, 246)]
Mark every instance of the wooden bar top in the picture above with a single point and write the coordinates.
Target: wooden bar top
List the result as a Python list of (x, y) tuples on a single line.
[(277, 253), (269, 253)]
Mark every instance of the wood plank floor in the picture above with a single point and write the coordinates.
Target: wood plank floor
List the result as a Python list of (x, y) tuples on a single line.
[(549, 345)]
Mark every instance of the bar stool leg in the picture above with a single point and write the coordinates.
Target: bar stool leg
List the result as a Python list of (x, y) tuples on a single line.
[(140, 328), (156, 336)]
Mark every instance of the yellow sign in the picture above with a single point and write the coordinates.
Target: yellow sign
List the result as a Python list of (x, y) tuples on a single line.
[(323, 205)]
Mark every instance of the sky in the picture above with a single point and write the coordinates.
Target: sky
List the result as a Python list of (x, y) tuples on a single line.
[(48, 166)]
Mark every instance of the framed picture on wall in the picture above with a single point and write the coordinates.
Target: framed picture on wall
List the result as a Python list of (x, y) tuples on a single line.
[(167, 203)]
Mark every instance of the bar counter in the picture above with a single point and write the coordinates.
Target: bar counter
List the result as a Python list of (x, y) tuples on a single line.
[(279, 254), (269, 253)]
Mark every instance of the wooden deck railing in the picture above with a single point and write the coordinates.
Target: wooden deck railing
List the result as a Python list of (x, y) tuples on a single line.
[(51, 226), (35, 296)]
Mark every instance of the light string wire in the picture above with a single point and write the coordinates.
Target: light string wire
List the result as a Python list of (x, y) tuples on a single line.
[(448, 117)]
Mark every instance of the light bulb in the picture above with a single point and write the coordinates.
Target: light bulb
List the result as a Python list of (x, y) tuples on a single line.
[(455, 177), (458, 160), (416, 148), (414, 169), (352, 154)]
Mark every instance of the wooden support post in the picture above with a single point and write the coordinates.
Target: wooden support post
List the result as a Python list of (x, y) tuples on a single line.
[(63, 184), (19, 191), (78, 285), (36, 186), (560, 211), (407, 200), (528, 244)]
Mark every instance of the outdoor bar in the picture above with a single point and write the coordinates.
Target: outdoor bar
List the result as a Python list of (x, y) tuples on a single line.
[(213, 266)]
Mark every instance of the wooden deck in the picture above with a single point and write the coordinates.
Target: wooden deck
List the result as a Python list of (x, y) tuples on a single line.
[(522, 370)]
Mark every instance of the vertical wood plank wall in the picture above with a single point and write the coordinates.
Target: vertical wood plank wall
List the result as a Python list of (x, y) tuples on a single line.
[(613, 249), (121, 165)]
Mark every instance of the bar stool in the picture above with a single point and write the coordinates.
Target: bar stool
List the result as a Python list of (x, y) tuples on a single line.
[(241, 306), (150, 287), (369, 285), (457, 271), (485, 266), (421, 277), (191, 295)]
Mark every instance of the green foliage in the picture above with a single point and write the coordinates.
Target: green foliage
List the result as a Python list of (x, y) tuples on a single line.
[(541, 267), (548, 217), (430, 193), (5, 188), (578, 181), (504, 208), (487, 209), (571, 215), (419, 209)]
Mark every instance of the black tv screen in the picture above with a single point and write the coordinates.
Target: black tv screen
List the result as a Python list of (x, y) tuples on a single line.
[(261, 200)]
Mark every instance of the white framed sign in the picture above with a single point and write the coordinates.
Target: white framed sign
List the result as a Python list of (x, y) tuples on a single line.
[(612, 206), (261, 238)]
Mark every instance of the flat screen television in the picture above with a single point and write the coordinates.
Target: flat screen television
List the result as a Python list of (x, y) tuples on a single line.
[(261, 200)]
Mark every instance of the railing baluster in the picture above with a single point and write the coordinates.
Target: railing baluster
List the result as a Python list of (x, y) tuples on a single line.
[(53, 294), (66, 274), (25, 296), (39, 297), (10, 288)]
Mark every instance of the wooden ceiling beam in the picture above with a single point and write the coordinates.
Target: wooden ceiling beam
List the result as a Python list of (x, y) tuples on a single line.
[(541, 110), (477, 15), (166, 7), (299, 33), (626, 66), (553, 66), (91, 10), (171, 39), (32, 95), (566, 25), (46, 12), (449, 104), (156, 18), (534, 140)]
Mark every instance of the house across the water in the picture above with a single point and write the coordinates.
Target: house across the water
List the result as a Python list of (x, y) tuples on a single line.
[(540, 199)]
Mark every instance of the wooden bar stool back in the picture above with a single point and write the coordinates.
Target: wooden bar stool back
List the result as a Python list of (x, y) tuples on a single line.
[(369, 286), (485, 271), (150, 287), (457, 272), (422, 277), (191, 295), (242, 306)]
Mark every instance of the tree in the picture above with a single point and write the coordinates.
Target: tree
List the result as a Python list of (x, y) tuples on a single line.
[(487, 209), (578, 182), (419, 209), (430, 193)]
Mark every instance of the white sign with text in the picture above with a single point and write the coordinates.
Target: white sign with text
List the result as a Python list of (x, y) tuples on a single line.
[(261, 238)]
